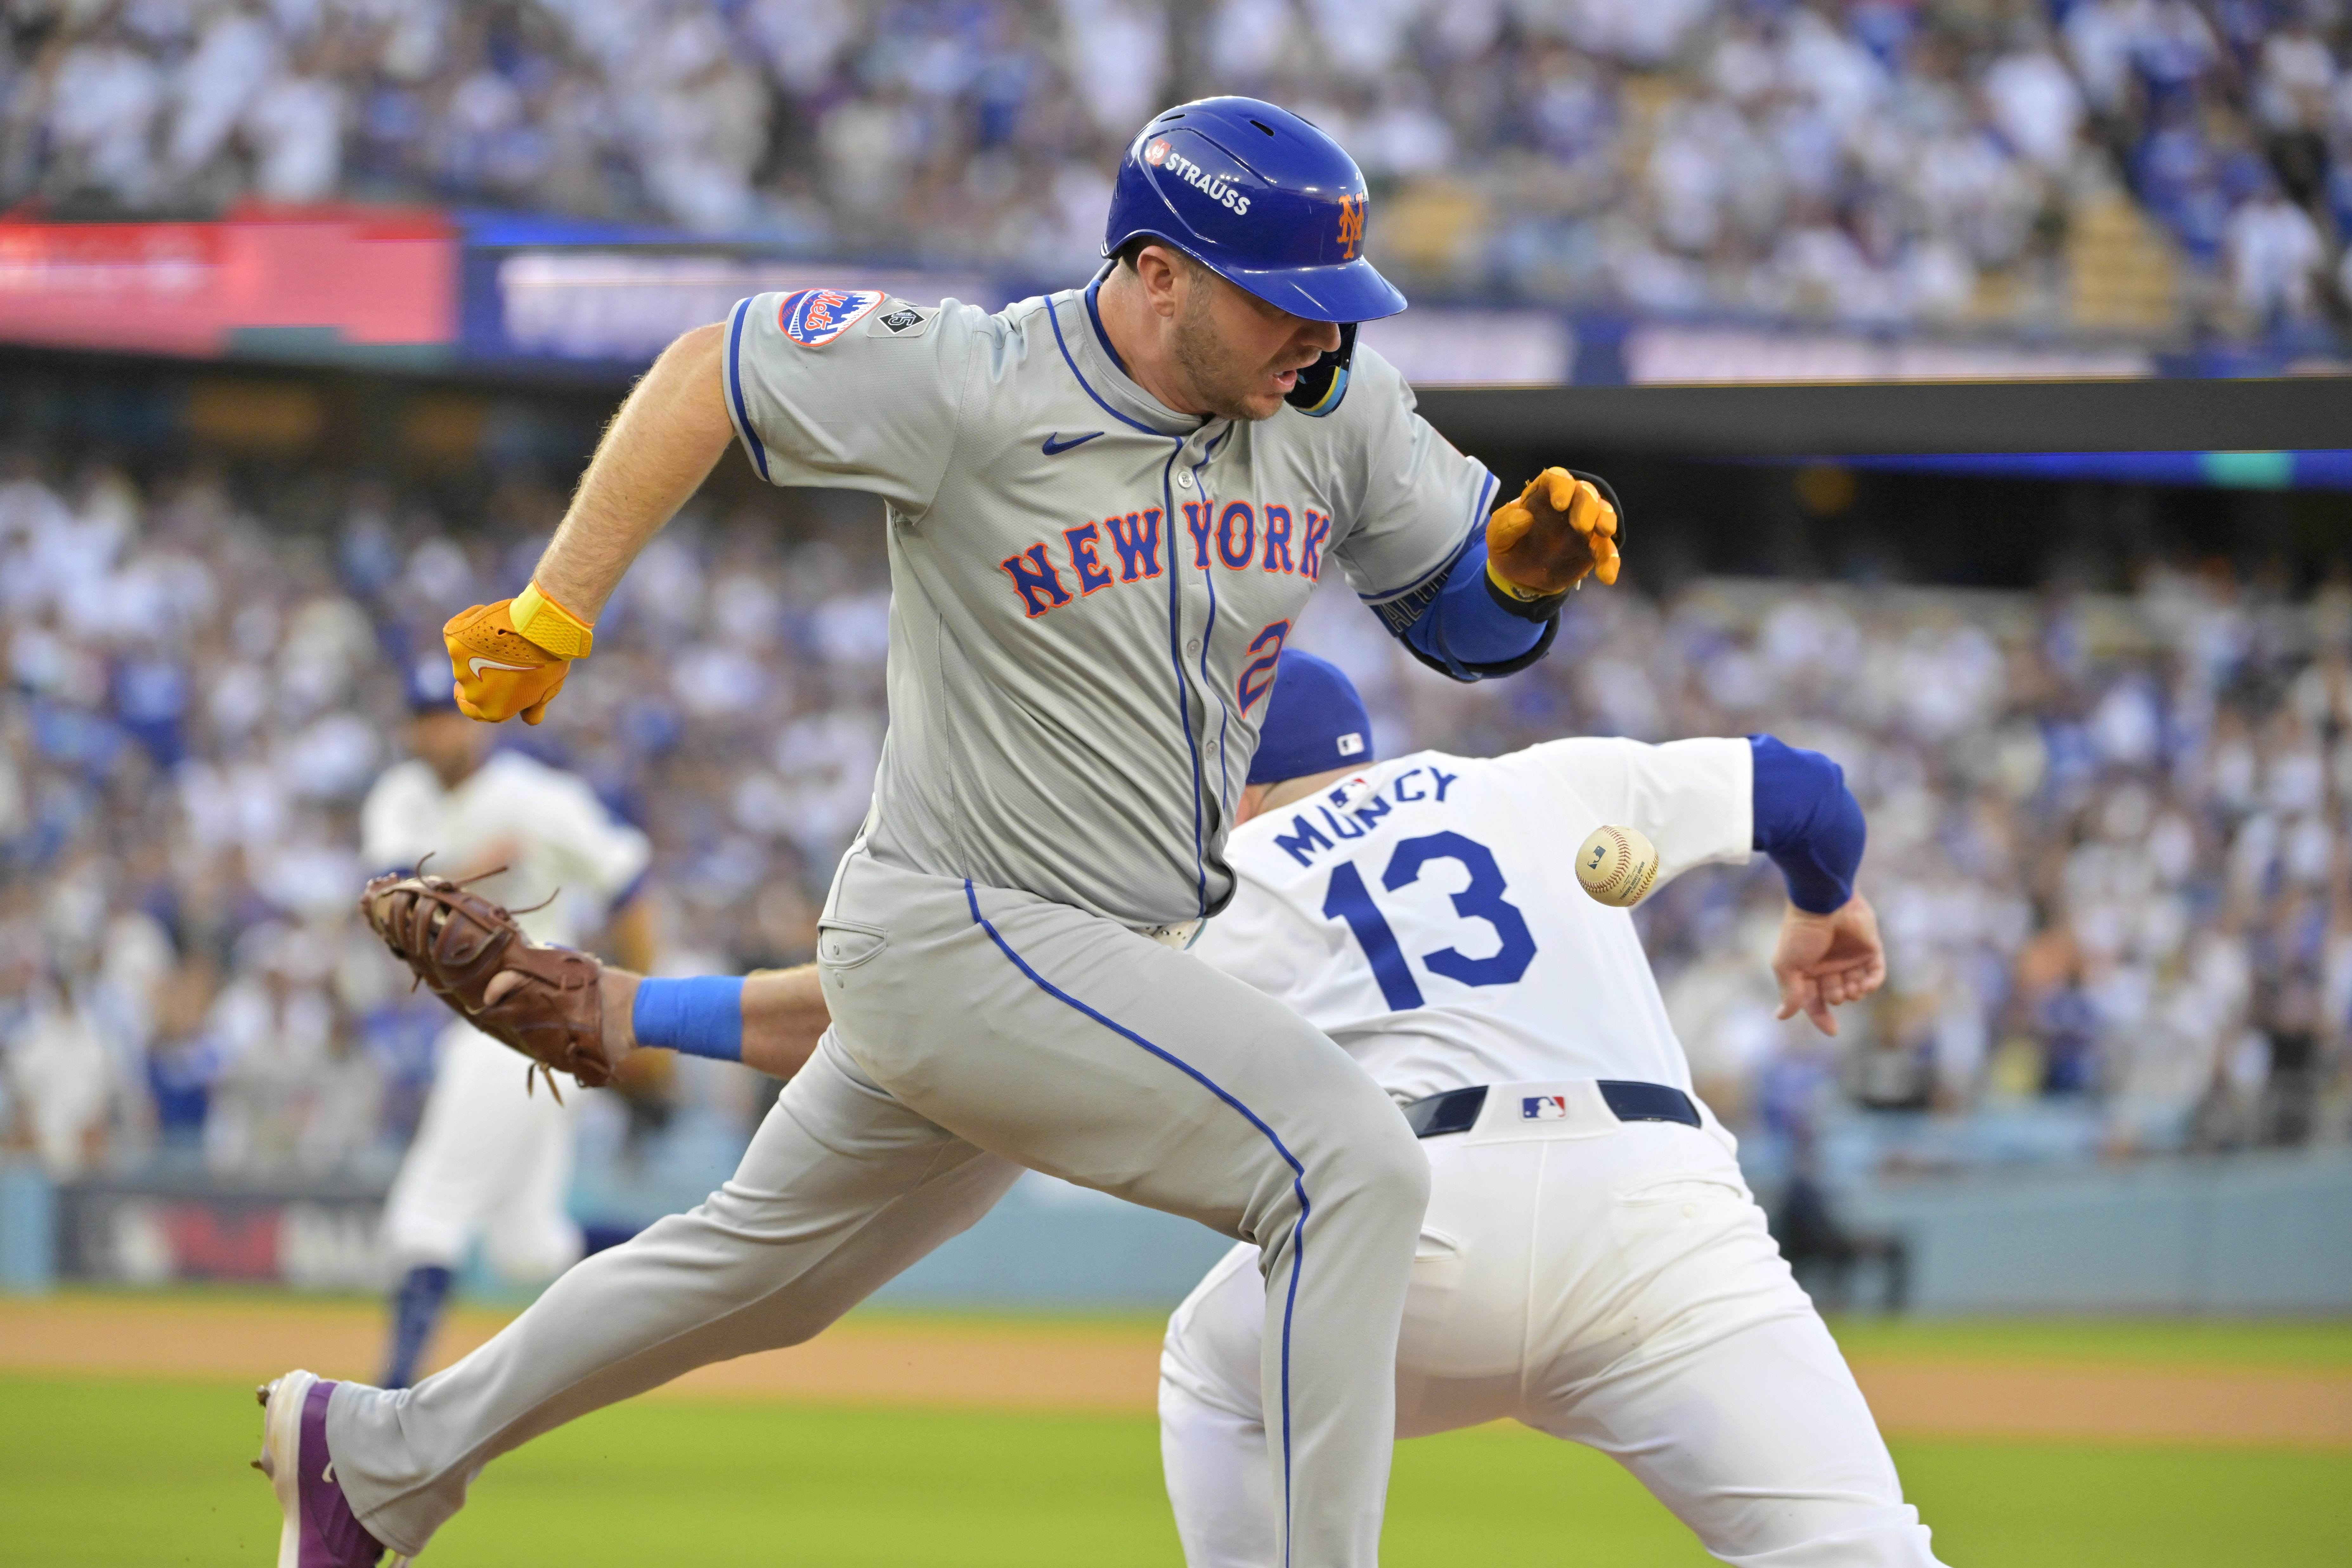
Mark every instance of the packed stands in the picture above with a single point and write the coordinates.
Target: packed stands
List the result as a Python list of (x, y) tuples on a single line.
[(2105, 840), (2143, 169)]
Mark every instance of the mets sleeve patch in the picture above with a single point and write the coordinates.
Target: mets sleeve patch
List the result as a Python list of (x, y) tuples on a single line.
[(815, 317)]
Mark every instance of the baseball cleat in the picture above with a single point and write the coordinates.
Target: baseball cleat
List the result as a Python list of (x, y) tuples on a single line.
[(321, 1530)]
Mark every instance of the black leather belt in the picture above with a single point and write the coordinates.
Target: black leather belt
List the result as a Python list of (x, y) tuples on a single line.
[(1456, 1110)]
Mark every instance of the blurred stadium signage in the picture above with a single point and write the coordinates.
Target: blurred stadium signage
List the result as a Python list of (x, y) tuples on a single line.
[(310, 284), (1435, 346), (411, 286), (315, 1235), (1664, 355), (624, 306), (616, 307)]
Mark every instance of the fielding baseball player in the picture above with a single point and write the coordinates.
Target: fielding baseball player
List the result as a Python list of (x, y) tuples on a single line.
[(491, 1159), (1592, 1263), (1105, 510)]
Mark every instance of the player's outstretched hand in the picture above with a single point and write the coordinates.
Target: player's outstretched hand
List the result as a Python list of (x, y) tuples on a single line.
[(1560, 529), (500, 671), (1826, 961)]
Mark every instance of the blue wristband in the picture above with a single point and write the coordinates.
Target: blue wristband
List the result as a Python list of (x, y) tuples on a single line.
[(702, 1016), (1808, 822)]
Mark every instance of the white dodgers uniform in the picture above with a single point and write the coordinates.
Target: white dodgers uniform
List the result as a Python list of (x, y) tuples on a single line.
[(491, 1159), (1606, 1281)]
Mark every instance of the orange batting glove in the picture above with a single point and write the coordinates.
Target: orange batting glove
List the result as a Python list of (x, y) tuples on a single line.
[(513, 657), (1546, 542)]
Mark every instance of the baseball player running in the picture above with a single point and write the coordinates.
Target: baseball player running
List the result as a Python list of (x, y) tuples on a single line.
[(1592, 1263), (1105, 510), (492, 1161)]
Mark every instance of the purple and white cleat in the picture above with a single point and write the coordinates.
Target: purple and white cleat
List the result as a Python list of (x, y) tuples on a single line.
[(320, 1530)]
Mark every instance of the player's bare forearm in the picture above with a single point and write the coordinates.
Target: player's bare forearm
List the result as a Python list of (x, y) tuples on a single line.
[(1826, 961), (659, 447), (510, 658), (785, 1016)]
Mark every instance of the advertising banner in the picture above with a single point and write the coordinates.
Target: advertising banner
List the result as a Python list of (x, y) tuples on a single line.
[(312, 284), (128, 1231), (616, 307), (611, 307)]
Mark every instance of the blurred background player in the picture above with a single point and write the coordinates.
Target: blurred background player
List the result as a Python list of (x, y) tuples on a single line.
[(1592, 1263), (492, 1160)]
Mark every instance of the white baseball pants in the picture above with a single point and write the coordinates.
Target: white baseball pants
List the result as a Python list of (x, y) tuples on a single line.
[(490, 1160), (976, 1031), (1609, 1283)]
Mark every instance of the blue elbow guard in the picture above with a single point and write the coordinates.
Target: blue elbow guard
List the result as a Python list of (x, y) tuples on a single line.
[(1808, 822), (702, 1016), (1453, 625)]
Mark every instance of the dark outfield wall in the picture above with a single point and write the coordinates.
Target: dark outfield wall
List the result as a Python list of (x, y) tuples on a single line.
[(1715, 480)]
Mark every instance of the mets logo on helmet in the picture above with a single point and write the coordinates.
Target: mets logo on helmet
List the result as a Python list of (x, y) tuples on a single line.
[(1351, 226), (815, 317)]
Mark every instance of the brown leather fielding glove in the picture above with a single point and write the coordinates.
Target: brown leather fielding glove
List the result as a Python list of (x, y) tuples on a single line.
[(457, 942)]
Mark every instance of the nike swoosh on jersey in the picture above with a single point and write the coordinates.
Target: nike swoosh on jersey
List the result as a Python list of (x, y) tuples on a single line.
[(480, 665), (1055, 444)]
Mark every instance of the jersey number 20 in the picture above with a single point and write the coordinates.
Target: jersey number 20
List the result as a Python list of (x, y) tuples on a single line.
[(1348, 900)]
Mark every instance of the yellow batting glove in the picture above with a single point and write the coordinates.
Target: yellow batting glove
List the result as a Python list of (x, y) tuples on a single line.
[(1545, 543), (513, 657)]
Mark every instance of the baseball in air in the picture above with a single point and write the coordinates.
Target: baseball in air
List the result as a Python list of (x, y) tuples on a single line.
[(1617, 865)]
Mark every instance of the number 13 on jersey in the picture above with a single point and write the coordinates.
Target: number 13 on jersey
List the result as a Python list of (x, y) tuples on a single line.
[(1348, 900)]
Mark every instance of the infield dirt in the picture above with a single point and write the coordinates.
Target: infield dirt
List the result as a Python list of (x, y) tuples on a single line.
[(1108, 1366)]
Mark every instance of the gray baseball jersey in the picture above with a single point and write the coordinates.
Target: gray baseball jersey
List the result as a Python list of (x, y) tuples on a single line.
[(1089, 590)]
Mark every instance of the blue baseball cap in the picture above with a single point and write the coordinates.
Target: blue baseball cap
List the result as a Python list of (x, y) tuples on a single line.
[(431, 688), (1315, 721)]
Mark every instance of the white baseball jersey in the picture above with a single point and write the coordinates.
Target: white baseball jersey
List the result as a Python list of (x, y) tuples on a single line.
[(1608, 1282), (1426, 914), (549, 825), (1089, 592)]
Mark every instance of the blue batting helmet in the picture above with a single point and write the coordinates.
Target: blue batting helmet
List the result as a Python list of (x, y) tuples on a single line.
[(1315, 721), (1261, 198)]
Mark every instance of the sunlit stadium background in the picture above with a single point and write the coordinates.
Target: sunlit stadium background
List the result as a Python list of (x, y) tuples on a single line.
[(1975, 373)]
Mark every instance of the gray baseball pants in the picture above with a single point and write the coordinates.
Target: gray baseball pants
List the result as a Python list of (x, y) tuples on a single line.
[(976, 1031)]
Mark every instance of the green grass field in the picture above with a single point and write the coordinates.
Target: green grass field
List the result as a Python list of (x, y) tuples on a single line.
[(124, 1473), (2143, 1342)]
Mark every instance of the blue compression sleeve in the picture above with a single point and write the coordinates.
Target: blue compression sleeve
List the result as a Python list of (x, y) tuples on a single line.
[(702, 1016), (1809, 822), (1465, 630)]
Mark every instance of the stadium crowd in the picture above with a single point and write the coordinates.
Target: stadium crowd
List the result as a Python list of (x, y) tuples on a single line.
[(1881, 162), (2107, 832)]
